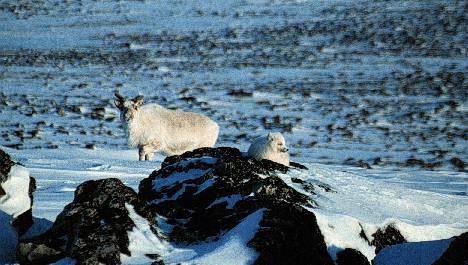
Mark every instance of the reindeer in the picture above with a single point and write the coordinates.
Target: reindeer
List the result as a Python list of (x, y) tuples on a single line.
[(151, 127)]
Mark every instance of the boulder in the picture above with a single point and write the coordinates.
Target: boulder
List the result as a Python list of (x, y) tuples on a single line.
[(92, 229), (350, 256), (386, 237), (209, 191), (456, 253)]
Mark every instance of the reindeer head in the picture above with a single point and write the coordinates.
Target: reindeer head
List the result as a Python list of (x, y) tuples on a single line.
[(128, 107)]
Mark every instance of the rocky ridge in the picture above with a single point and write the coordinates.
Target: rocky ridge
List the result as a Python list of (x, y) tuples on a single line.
[(92, 229), (210, 190)]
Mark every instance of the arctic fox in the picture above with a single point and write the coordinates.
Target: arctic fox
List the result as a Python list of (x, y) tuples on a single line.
[(271, 147)]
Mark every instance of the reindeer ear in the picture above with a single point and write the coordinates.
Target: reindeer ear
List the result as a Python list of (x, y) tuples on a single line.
[(118, 104), (119, 100), (138, 100)]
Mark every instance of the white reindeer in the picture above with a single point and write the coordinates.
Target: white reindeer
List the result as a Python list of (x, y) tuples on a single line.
[(151, 127)]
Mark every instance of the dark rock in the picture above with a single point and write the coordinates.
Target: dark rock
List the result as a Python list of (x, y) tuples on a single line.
[(411, 162), (90, 146), (92, 229), (377, 161), (363, 164), (456, 253), (460, 164), (387, 237), (432, 165), (297, 165), (305, 185), (209, 191), (23, 222), (240, 93), (289, 234), (5, 165), (360, 163), (29, 253), (363, 235), (350, 256), (212, 152)]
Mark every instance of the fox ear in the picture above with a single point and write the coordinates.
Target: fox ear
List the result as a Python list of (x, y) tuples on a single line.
[(270, 136)]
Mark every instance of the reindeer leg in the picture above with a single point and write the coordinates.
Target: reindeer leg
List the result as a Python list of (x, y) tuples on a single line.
[(144, 151), (149, 156), (155, 145), (141, 153), (149, 149)]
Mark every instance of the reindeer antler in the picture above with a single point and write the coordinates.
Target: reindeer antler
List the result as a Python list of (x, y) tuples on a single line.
[(119, 100), (118, 96)]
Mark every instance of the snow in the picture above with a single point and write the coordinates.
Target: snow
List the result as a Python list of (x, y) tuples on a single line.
[(178, 177), (230, 248), (65, 261), (231, 200), (142, 241), (16, 201), (424, 253), (371, 202)]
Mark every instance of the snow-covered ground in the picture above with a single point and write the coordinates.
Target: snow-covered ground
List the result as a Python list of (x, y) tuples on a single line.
[(363, 199), (344, 81), (378, 81)]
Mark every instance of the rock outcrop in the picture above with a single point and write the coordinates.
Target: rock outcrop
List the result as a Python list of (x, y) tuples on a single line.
[(386, 237), (209, 191), (5, 166), (456, 253), (93, 229), (350, 256)]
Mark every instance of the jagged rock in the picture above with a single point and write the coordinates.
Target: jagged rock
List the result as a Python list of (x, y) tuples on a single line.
[(350, 256), (92, 229), (389, 236), (23, 222), (209, 191), (456, 253), (30, 253), (5, 165)]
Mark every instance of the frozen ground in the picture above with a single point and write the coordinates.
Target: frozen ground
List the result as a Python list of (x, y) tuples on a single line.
[(349, 83), (383, 82)]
